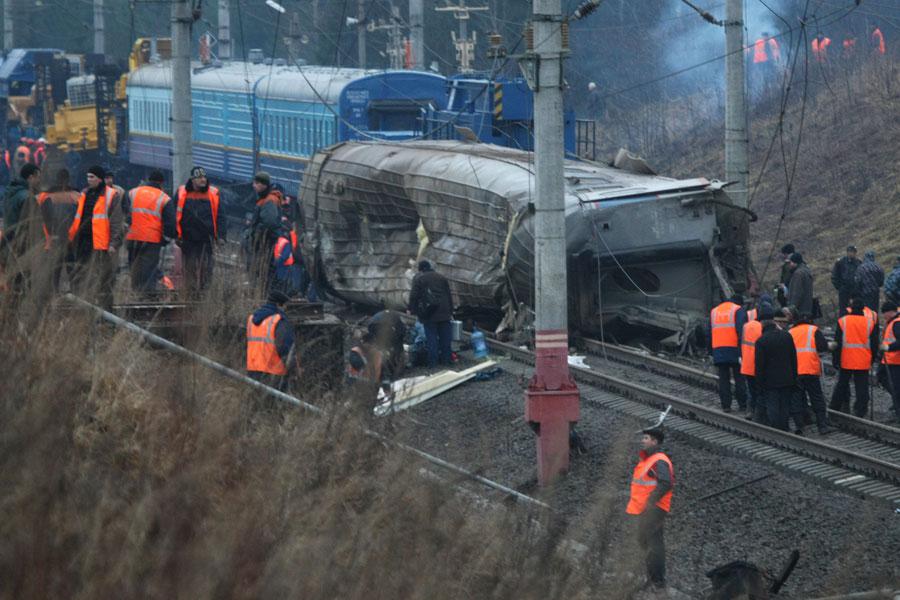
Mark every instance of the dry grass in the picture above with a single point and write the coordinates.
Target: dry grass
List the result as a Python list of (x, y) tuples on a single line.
[(130, 473)]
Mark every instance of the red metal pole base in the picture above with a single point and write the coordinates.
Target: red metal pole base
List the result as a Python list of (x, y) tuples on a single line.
[(552, 403)]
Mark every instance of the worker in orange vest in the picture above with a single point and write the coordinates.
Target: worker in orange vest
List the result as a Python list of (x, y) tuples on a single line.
[(95, 236), (751, 332), (809, 342), (820, 48), (58, 205), (151, 218), (652, 482), (726, 324), (200, 224), (855, 343), (270, 342), (264, 227), (283, 271), (890, 349), (848, 47), (876, 40)]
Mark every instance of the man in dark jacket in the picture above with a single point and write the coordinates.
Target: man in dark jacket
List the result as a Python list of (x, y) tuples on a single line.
[(869, 279), (799, 293), (201, 222), (431, 301), (892, 283), (843, 278), (776, 376), (786, 268), (388, 332), (270, 342), (264, 227), (19, 219)]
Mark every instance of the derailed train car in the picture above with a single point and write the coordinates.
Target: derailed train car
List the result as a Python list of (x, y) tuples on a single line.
[(647, 254)]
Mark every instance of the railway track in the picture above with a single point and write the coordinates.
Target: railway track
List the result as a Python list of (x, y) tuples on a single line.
[(854, 431), (858, 465)]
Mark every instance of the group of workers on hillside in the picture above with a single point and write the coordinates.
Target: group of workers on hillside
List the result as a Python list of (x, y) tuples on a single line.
[(81, 233), (765, 51), (768, 356)]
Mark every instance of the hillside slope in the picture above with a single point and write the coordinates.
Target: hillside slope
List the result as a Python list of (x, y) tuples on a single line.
[(847, 180)]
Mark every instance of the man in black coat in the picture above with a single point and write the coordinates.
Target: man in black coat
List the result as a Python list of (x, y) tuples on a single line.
[(843, 278), (431, 301), (776, 376)]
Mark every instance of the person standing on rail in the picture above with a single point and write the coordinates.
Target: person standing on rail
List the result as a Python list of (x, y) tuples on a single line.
[(58, 206), (890, 348), (264, 228), (431, 300), (776, 376), (750, 333), (809, 342), (652, 483), (855, 343), (270, 342), (200, 223), (726, 324), (96, 235), (151, 217)]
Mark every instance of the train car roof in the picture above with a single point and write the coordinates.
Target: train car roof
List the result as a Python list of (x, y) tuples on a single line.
[(510, 172)]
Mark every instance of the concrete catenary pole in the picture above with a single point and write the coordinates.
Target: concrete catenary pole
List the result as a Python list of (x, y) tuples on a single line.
[(99, 29), (224, 43), (417, 33), (737, 162), (181, 91), (361, 32), (551, 401), (8, 42)]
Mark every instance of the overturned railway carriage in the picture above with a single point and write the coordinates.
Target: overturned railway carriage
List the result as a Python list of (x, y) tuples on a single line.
[(643, 250)]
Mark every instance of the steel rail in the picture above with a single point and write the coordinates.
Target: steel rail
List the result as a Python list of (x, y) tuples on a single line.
[(846, 422), (860, 463), (162, 342)]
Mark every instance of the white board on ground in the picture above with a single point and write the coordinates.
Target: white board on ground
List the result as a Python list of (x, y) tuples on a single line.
[(406, 393)]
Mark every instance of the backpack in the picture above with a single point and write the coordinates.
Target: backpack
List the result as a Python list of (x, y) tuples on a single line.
[(428, 303)]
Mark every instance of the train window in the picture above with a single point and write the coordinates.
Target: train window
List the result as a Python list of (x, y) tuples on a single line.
[(645, 279)]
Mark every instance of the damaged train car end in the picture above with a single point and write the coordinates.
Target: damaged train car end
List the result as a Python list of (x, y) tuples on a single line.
[(648, 255)]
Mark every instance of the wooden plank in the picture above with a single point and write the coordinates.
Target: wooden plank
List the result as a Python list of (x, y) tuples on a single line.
[(413, 391)]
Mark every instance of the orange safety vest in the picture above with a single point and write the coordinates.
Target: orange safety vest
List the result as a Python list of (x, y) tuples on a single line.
[(26, 151), (99, 219), (279, 247), (856, 353), (871, 316), (212, 195), (759, 52), (262, 353), (775, 49), (891, 357), (643, 484), (820, 49), (878, 41), (42, 197), (752, 332), (147, 204), (722, 322), (849, 45), (808, 362), (369, 372)]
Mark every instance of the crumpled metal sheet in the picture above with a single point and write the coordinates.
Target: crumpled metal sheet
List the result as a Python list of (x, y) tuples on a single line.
[(363, 202)]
